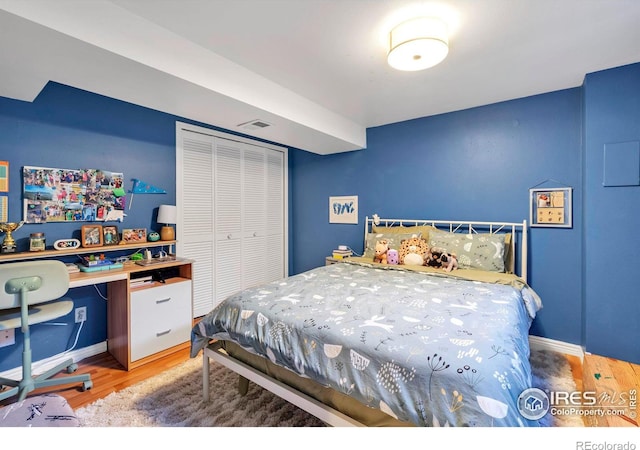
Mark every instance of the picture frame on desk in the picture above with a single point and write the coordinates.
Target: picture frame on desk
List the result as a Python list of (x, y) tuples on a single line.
[(110, 235), (134, 235), (92, 236)]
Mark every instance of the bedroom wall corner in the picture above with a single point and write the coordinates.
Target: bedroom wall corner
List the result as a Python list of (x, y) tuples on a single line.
[(612, 115), (475, 164)]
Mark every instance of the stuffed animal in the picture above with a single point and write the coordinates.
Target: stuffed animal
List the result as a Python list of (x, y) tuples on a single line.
[(448, 261), (412, 251), (441, 259), (381, 251), (392, 256), (432, 258)]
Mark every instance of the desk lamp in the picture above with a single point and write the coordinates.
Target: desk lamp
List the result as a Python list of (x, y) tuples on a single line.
[(167, 214)]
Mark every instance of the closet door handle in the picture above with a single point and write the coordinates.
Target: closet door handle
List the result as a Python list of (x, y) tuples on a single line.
[(255, 234), (228, 236), (162, 333)]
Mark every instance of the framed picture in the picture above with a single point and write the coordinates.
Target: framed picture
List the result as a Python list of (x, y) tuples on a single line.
[(343, 209), (110, 235), (91, 235), (4, 176), (551, 207), (133, 235), (4, 208), (71, 195)]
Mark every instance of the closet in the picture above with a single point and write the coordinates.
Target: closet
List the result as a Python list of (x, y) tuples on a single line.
[(232, 212)]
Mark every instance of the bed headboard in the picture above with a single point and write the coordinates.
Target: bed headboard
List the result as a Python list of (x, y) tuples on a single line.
[(518, 230)]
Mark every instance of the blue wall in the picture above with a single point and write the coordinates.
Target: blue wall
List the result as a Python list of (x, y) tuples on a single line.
[(475, 164), (612, 217), (72, 129)]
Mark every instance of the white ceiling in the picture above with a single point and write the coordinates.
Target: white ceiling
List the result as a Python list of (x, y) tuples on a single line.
[(314, 69)]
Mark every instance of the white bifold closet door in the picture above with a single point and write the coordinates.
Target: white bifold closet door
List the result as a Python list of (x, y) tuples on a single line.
[(232, 206)]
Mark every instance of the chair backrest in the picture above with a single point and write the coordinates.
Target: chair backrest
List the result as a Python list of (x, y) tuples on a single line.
[(46, 280)]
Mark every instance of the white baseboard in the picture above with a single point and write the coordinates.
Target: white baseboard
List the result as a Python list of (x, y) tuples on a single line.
[(49, 363), (540, 343)]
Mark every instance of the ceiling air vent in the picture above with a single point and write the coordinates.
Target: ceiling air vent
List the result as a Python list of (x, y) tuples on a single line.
[(254, 125)]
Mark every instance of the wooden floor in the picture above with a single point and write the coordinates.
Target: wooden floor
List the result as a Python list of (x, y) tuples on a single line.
[(617, 384), (596, 373), (108, 376)]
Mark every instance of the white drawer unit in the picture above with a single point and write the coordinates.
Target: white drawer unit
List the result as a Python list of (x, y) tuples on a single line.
[(147, 322), (160, 317)]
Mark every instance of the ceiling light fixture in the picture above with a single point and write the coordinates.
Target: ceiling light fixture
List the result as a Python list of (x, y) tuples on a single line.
[(418, 44)]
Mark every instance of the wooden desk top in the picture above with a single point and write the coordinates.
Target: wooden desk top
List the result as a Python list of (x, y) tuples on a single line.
[(104, 276)]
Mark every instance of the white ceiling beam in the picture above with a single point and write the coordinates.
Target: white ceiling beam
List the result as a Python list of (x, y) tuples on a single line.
[(144, 54)]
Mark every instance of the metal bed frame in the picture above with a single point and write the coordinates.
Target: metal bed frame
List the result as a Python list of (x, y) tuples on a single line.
[(518, 247), (331, 416)]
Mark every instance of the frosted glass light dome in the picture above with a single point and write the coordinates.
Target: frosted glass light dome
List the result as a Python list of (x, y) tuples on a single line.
[(418, 44)]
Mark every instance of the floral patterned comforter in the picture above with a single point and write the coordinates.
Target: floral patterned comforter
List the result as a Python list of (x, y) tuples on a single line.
[(426, 348)]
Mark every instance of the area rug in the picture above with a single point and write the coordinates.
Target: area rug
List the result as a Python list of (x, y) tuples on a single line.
[(174, 399)]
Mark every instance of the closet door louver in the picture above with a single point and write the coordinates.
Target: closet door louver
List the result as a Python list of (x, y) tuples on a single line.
[(275, 225), (196, 240), (233, 214), (228, 220), (254, 251)]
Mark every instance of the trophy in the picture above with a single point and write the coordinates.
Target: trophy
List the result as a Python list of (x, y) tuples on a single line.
[(9, 244)]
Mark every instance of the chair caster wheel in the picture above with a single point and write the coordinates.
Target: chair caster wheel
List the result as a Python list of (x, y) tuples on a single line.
[(72, 368), (87, 385)]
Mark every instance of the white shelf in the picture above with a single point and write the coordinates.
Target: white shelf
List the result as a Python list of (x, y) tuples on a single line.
[(23, 256)]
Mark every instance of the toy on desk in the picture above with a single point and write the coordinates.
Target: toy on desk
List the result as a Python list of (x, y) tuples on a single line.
[(94, 263), (96, 260)]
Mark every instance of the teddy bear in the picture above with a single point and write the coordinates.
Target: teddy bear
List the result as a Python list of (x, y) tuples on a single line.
[(412, 251), (392, 256), (381, 251)]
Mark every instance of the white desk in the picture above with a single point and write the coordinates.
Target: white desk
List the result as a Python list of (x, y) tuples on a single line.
[(160, 321), (152, 317)]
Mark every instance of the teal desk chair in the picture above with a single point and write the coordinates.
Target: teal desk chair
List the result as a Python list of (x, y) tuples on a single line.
[(27, 291)]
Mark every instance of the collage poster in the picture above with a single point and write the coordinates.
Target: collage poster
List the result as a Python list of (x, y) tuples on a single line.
[(72, 195)]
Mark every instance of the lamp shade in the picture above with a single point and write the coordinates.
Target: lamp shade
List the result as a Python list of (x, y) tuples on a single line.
[(418, 44), (167, 214)]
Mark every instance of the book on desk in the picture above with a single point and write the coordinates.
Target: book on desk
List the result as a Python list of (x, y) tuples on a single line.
[(97, 264), (341, 254)]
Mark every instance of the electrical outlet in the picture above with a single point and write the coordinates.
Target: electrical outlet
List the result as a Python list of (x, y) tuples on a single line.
[(7, 337), (81, 314)]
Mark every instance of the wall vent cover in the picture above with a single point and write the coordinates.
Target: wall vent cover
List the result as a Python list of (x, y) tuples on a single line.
[(254, 125)]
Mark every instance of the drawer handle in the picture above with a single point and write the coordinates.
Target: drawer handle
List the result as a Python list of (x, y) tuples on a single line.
[(162, 333), (164, 300)]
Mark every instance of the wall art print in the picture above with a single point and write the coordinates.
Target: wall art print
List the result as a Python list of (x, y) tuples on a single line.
[(343, 209), (72, 195), (551, 207)]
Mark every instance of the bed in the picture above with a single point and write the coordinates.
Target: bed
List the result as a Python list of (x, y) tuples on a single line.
[(360, 343)]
